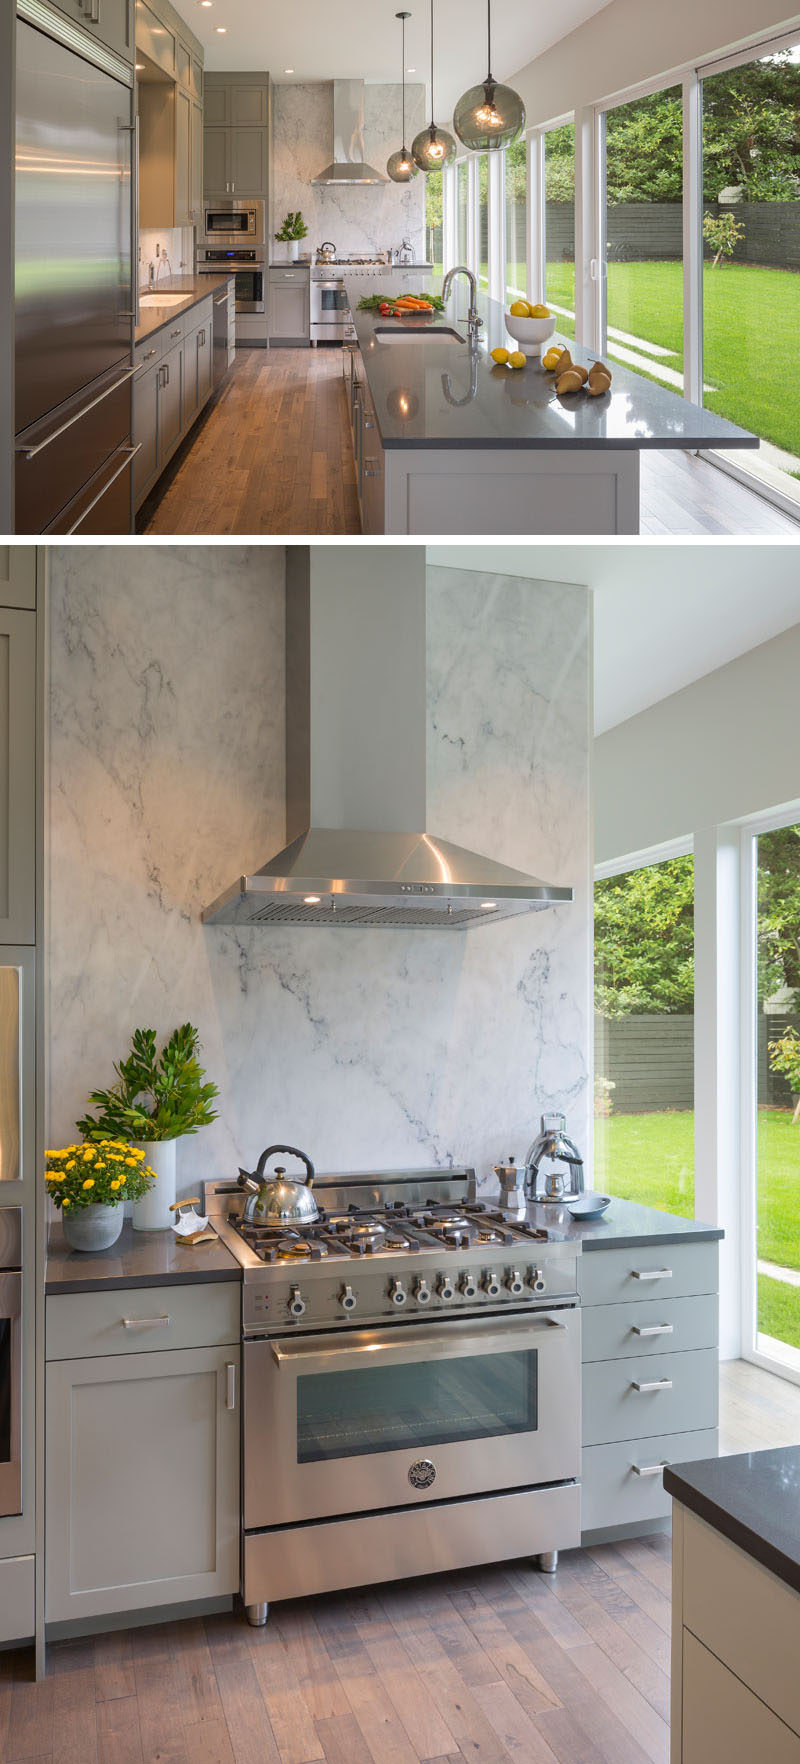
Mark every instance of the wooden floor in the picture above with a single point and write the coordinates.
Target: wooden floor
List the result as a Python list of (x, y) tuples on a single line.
[(495, 1666), (272, 455)]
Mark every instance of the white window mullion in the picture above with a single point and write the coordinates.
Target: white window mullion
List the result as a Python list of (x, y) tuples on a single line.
[(589, 230), (496, 196), (717, 1060), (692, 240), (473, 241), (449, 217), (748, 1090), (535, 215)]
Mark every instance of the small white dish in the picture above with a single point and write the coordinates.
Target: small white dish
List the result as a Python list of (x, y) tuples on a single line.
[(529, 334), (589, 1205)]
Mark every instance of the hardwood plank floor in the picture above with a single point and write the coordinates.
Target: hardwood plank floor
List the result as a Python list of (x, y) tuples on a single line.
[(498, 1665), (271, 454)]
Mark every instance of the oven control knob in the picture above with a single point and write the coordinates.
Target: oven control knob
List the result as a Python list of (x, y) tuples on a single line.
[(297, 1303), (514, 1282), (491, 1285), (397, 1293), (422, 1292), (347, 1298), (468, 1287), (536, 1279), (446, 1289)]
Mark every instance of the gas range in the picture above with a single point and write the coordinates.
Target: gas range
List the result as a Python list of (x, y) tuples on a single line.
[(401, 1244)]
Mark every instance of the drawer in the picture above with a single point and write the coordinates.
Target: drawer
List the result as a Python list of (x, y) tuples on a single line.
[(722, 1719), (652, 1326), (149, 351), (745, 1614), (17, 1598), (201, 314), (291, 274), (679, 1395), (613, 1490), (82, 1324), (669, 1270), (172, 333)]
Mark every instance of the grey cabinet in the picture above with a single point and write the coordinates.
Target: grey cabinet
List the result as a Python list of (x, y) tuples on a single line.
[(183, 158), (248, 160), (175, 378), (197, 370), (196, 162), (146, 392), (289, 296), (170, 403), (142, 1479), (18, 575), (17, 775), (236, 143), (216, 177), (110, 20)]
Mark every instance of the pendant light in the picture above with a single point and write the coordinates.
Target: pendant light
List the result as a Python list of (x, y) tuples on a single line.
[(432, 149), (490, 115), (400, 166)]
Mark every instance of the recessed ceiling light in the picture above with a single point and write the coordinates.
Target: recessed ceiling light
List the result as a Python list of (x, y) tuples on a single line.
[(138, 67), (311, 900), (411, 70), (221, 30), (488, 906), (288, 70)]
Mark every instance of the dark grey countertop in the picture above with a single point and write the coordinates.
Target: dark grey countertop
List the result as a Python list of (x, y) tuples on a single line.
[(753, 1499), (138, 1258), (453, 396), (624, 1225), (196, 288)]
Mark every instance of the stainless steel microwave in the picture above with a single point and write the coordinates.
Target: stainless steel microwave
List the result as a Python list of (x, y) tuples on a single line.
[(232, 221)]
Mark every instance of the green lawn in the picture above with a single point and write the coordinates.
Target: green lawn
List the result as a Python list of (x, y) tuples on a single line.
[(751, 327), (650, 1158)]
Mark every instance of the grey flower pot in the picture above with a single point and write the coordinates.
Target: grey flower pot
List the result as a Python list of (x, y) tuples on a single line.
[(92, 1228)]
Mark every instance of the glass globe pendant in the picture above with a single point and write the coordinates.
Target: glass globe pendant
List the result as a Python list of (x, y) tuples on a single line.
[(400, 166), (432, 149), (490, 115)]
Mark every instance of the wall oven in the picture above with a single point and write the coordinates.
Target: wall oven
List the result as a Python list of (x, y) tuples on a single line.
[(232, 223), (249, 273), (10, 1359)]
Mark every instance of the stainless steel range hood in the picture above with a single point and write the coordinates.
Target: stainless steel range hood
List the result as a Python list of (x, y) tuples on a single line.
[(359, 851), (348, 165)]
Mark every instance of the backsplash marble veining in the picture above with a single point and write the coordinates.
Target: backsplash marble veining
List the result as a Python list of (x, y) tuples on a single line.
[(362, 218), (166, 779)]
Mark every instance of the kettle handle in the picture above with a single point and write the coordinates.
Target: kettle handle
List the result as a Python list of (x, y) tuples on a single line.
[(294, 1152)]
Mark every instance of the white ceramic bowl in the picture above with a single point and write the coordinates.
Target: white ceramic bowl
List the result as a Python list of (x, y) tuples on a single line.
[(529, 333)]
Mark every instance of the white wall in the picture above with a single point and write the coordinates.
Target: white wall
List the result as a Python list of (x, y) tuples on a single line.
[(177, 242), (166, 780), (723, 748), (630, 41), (365, 218)]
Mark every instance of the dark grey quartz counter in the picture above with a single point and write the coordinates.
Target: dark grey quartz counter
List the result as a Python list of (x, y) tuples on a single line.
[(753, 1499), (624, 1225), (194, 289), (138, 1258), (429, 394)]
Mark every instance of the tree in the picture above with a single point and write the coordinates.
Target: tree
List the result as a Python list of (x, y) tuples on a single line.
[(644, 941), (779, 913), (722, 232)]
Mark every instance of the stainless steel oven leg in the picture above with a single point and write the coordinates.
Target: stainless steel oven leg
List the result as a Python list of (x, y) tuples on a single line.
[(547, 1561), (257, 1614)]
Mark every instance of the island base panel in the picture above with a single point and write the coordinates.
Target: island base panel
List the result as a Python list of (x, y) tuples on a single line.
[(531, 491)]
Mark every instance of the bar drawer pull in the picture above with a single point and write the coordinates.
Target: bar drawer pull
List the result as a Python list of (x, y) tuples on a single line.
[(651, 1384), (651, 1273), (652, 1328), (145, 1322), (149, 355), (30, 452), (649, 1469), (230, 1385)]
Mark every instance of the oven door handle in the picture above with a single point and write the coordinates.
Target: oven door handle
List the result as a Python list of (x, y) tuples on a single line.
[(419, 1344)]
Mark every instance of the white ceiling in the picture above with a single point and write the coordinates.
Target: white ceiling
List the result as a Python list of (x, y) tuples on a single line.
[(664, 614), (349, 39)]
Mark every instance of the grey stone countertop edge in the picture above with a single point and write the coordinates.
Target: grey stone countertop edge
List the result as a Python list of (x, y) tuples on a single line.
[(153, 1258), (624, 1225), (196, 288), (751, 1498)]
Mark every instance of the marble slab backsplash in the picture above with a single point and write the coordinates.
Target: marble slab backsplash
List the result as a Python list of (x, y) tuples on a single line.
[(363, 218), (176, 242), (166, 770)]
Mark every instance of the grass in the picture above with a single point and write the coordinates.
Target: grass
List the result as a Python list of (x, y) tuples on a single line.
[(751, 328), (650, 1158)]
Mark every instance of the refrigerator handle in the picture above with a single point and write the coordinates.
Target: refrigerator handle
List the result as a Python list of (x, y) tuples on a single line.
[(133, 130), (30, 452)]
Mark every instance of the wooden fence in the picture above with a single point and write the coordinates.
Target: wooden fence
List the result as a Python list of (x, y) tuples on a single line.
[(653, 231), (650, 1061)]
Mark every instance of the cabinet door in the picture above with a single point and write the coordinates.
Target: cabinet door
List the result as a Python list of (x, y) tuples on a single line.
[(288, 310), (141, 1481), (216, 176), (183, 64), (216, 103), (183, 127), (145, 429), (196, 162), (191, 401), (17, 776), (248, 104), (170, 403), (18, 575), (205, 363), (722, 1719), (248, 161), (153, 35), (110, 20)]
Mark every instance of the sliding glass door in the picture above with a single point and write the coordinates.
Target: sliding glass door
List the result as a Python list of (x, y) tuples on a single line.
[(558, 229), (515, 178), (643, 217), (774, 1235)]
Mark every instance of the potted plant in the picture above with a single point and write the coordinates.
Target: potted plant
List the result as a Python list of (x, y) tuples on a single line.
[(157, 1099), (293, 230), (88, 1183)]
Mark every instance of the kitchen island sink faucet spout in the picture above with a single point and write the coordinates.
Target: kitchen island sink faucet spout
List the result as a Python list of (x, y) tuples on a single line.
[(474, 321)]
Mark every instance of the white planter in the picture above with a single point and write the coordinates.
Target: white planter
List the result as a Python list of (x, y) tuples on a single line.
[(152, 1213), (294, 250)]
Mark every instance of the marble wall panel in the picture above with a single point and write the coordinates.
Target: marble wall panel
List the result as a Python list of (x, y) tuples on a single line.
[(365, 218)]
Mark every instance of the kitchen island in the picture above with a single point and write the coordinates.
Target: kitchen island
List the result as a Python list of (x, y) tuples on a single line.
[(445, 441)]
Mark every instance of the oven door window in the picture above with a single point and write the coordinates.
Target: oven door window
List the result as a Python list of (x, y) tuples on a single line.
[(332, 302), (438, 1402), (227, 220), (249, 290)]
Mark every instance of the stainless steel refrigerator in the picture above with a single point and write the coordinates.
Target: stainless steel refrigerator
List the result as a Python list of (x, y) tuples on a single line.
[(73, 283)]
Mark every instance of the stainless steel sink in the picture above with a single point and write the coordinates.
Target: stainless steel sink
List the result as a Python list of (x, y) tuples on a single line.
[(417, 334), (162, 299)]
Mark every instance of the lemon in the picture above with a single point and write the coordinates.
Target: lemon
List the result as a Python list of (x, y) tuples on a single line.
[(519, 309), (551, 359), (500, 356), (540, 312), (516, 359)]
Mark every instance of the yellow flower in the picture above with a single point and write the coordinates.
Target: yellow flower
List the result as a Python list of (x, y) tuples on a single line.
[(65, 1201), (131, 1162), (71, 1164), (117, 1183), (88, 1153), (89, 1183), (136, 1152)]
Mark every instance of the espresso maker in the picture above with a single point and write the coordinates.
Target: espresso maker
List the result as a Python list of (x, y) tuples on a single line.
[(554, 1166)]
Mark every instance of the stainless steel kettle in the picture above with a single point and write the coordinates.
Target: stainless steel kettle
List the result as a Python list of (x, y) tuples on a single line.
[(326, 252), (278, 1199)]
